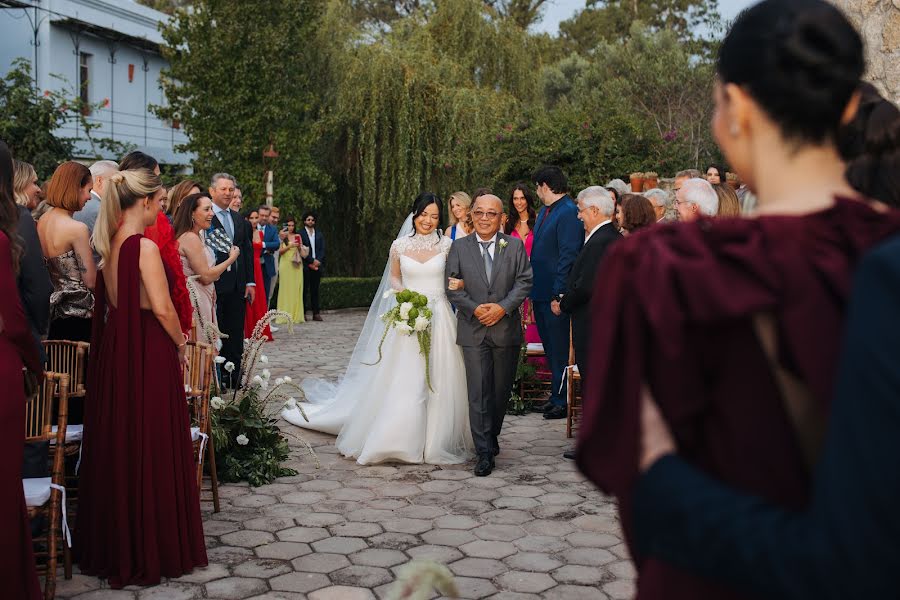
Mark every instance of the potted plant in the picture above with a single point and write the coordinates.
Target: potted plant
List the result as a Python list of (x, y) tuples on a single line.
[(637, 182), (651, 180)]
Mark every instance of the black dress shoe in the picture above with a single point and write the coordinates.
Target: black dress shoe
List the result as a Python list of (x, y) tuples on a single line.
[(540, 407), (570, 454), (484, 466), (557, 412)]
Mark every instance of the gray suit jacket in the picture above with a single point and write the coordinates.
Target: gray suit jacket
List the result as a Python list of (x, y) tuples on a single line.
[(509, 286), (88, 214)]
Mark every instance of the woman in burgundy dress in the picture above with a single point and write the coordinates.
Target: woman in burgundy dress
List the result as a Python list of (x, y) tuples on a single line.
[(17, 348), (257, 310), (139, 511), (734, 325)]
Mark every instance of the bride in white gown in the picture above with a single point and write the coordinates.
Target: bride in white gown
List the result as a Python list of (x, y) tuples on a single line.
[(385, 411)]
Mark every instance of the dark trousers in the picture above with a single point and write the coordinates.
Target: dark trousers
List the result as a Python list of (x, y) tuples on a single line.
[(311, 281), (554, 332), (230, 309), (490, 372)]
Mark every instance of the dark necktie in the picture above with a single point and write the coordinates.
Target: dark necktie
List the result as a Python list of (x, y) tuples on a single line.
[(488, 261)]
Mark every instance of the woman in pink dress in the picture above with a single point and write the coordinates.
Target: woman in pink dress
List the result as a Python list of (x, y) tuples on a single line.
[(520, 224)]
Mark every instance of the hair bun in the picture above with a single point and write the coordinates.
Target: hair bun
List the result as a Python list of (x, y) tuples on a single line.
[(117, 178)]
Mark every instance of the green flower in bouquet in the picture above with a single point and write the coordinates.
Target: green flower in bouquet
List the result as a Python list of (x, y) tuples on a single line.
[(410, 316)]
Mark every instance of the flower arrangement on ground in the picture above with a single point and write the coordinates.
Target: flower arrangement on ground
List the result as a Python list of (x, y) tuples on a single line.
[(410, 316), (249, 445)]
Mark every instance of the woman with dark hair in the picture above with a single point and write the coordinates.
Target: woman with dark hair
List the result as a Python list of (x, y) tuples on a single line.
[(291, 255), (163, 235), (67, 249), (17, 352), (178, 193), (393, 403), (634, 212), (715, 174), (733, 326), (257, 309), (138, 503), (871, 146), (192, 219)]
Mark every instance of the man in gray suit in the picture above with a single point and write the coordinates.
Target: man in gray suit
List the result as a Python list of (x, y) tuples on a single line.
[(497, 279), (100, 172)]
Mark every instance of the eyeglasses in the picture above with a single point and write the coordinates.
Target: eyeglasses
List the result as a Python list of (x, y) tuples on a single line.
[(480, 214)]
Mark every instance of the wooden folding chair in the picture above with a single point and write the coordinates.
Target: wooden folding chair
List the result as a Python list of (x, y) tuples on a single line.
[(533, 389), (198, 379), (45, 496), (573, 391)]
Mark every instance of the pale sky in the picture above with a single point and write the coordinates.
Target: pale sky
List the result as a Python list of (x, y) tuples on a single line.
[(560, 10)]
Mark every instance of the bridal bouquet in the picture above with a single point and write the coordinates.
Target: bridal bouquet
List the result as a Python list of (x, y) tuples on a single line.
[(410, 316)]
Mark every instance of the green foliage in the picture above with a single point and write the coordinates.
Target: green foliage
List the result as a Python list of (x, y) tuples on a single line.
[(347, 292), (29, 122), (257, 462), (239, 76)]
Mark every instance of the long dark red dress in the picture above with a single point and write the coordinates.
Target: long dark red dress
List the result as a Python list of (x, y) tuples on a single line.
[(139, 511), (18, 578), (679, 301), (258, 309)]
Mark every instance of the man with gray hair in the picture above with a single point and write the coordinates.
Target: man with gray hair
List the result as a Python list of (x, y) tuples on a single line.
[(659, 198), (696, 197), (620, 186), (595, 210), (100, 172), (682, 176)]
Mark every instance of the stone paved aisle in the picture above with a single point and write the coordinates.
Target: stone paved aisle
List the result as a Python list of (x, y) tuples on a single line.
[(533, 529)]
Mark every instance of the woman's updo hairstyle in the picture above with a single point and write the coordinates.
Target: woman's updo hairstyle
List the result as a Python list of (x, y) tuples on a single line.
[(870, 144), (801, 60), (123, 189), (423, 201)]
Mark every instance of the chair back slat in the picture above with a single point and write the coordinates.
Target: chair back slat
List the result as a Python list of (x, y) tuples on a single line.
[(53, 391), (198, 377), (71, 358)]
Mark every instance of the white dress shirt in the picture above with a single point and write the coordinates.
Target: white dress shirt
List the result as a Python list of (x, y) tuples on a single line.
[(312, 242), (491, 249), (588, 236), (224, 217)]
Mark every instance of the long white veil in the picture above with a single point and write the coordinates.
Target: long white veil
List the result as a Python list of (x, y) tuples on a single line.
[(333, 403)]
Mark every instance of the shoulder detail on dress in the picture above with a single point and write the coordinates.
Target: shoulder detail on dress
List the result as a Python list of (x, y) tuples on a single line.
[(446, 242)]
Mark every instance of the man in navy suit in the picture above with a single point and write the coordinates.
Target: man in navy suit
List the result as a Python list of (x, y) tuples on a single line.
[(271, 242), (313, 264), (558, 237)]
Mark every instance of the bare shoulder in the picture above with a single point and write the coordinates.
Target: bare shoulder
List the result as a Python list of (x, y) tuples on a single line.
[(149, 248)]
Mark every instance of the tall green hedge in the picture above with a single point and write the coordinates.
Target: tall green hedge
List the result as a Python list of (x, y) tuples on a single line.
[(347, 292)]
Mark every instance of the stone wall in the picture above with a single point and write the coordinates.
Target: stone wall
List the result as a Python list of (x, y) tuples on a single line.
[(879, 23)]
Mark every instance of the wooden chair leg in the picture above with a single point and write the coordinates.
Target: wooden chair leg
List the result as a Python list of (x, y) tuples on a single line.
[(213, 477)]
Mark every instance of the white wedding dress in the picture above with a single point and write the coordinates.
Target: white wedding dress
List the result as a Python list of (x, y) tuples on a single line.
[(385, 411)]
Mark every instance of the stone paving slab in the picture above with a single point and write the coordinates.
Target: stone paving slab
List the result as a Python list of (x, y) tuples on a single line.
[(534, 529)]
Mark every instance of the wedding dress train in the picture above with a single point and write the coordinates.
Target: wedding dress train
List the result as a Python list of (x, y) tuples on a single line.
[(383, 410)]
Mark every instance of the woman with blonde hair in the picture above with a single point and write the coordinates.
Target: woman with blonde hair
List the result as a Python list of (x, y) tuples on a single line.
[(460, 220), (26, 190), (137, 437), (66, 246), (729, 204)]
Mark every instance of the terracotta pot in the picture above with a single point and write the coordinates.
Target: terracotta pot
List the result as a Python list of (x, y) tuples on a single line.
[(637, 184), (651, 183)]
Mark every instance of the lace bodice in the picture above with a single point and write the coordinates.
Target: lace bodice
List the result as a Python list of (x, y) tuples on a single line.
[(417, 263)]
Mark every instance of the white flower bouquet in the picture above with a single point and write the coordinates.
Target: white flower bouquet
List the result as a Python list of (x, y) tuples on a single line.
[(411, 316)]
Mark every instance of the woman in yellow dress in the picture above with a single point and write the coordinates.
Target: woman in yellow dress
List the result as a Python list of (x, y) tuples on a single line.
[(290, 275)]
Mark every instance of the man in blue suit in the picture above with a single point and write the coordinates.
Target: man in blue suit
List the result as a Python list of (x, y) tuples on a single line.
[(271, 243), (558, 237)]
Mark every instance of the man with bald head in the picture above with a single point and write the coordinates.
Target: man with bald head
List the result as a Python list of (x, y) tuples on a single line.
[(497, 276)]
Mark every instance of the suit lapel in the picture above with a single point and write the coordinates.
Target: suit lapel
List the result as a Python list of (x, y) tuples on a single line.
[(499, 256), (476, 255)]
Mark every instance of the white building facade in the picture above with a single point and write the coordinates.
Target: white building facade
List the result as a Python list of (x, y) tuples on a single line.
[(106, 52)]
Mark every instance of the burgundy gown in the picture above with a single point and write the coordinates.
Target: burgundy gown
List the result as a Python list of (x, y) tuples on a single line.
[(17, 348), (257, 310), (139, 510), (679, 300)]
